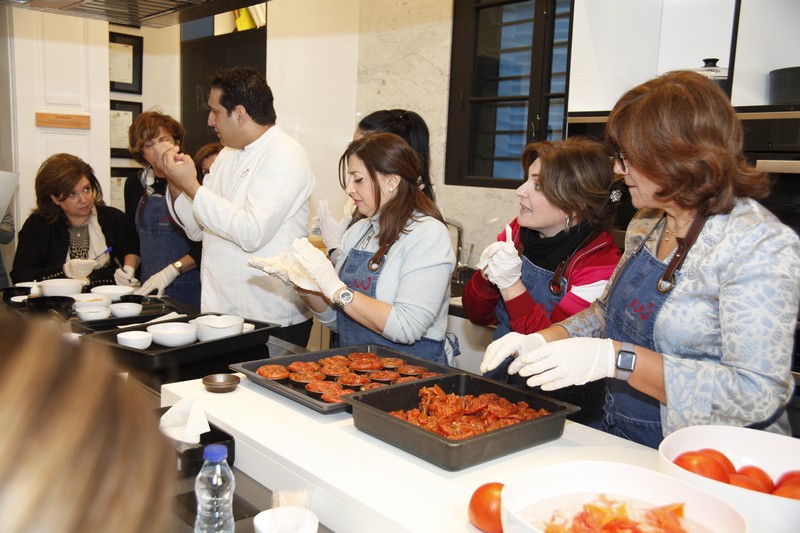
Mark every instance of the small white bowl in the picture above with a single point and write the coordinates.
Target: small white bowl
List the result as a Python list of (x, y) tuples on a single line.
[(93, 312), (173, 334), (115, 291), (210, 327), (295, 519), (19, 299), (773, 453), (135, 339), (248, 327), (125, 309), (88, 299), (61, 287)]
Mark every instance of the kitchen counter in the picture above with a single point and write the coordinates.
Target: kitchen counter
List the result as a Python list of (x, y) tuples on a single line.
[(362, 484)]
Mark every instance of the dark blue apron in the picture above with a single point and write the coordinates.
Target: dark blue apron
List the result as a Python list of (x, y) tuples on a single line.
[(162, 242), (358, 276), (633, 306), (588, 397)]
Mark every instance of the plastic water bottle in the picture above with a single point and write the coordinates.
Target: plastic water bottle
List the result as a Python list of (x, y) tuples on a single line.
[(214, 491)]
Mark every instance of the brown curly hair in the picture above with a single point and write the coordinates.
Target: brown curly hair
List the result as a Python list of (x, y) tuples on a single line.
[(145, 128)]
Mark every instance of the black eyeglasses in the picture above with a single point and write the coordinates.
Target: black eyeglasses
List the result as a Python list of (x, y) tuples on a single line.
[(620, 157)]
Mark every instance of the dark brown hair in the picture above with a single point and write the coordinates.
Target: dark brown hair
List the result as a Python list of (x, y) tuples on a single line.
[(246, 87), (577, 177), (145, 128), (387, 153), (207, 150), (680, 131), (57, 176)]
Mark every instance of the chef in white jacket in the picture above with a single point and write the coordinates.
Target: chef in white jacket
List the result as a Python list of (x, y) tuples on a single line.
[(254, 201)]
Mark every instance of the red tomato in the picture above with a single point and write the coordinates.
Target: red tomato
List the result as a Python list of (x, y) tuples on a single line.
[(484, 508), (703, 465), (788, 491), (721, 457), (757, 474), (747, 482), (792, 477)]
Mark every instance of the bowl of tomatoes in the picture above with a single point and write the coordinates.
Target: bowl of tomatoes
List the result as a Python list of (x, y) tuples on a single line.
[(756, 471)]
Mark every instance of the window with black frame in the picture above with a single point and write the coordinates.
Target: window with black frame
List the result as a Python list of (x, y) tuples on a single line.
[(508, 79)]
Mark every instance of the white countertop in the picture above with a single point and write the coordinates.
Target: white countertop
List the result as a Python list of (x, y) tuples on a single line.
[(362, 483)]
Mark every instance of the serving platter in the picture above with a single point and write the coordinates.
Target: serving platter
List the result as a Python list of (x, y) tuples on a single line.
[(371, 415), (159, 357), (298, 393)]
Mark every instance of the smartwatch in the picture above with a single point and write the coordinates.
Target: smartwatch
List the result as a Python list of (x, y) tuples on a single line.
[(344, 297), (626, 361), (177, 265)]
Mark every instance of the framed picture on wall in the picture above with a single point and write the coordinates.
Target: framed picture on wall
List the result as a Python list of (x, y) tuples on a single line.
[(119, 175), (122, 116), (125, 62)]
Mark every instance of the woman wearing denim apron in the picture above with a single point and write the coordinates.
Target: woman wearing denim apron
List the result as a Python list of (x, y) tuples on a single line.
[(565, 257), (393, 286), (168, 258), (697, 324)]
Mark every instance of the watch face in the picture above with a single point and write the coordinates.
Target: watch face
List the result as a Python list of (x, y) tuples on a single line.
[(346, 296), (626, 360)]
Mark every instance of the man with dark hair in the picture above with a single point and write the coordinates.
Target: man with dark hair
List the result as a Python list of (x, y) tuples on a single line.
[(253, 202)]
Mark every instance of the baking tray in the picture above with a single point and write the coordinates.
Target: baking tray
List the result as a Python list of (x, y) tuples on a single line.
[(300, 395), (371, 415), (159, 357)]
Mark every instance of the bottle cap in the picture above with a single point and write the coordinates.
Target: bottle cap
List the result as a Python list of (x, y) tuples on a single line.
[(215, 452)]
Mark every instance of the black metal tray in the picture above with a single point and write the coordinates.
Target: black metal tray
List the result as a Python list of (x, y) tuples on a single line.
[(159, 357), (371, 415), (300, 395)]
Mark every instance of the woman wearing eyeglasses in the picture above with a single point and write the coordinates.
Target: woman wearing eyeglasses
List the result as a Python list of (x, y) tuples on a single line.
[(169, 259), (554, 259), (697, 324)]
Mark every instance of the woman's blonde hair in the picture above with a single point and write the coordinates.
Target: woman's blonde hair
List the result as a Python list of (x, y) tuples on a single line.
[(79, 450)]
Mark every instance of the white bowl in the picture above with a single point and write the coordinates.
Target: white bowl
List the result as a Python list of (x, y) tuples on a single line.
[(97, 312), (210, 327), (125, 309), (135, 339), (775, 454), (294, 519), (61, 287), (115, 291), (173, 333), (25, 284), (580, 480), (19, 299), (88, 299)]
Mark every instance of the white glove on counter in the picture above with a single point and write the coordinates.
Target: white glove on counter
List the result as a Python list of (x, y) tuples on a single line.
[(79, 268), (318, 267), (500, 262), (124, 276), (159, 281), (328, 227), (508, 345), (567, 362)]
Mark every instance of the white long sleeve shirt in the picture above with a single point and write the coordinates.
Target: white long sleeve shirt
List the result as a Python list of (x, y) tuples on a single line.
[(253, 202)]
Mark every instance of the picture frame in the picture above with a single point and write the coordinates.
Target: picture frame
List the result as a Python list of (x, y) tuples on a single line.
[(120, 175), (122, 114), (125, 62)]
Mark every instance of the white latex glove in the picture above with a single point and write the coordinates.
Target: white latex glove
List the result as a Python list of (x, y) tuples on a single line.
[(286, 268), (79, 268), (567, 362), (510, 344), (500, 262), (331, 229), (124, 276), (159, 281), (318, 267)]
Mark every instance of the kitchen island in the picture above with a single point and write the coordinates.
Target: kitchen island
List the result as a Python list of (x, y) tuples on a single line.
[(362, 484)]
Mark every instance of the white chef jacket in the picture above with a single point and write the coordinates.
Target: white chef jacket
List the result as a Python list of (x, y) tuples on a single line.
[(253, 202)]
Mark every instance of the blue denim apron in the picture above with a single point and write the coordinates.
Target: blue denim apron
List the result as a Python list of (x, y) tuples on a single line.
[(588, 397), (355, 272), (162, 242)]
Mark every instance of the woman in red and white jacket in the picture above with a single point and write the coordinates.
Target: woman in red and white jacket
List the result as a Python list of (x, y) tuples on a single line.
[(555, 258)]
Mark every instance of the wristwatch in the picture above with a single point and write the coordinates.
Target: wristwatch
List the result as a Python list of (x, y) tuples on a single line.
[(626, 361), (177, 265), (344, 297)]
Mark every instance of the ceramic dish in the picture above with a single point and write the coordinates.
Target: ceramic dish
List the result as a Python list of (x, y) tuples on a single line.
[(140, 340), (125, 309), (173, 334), (221, 382), (61, 287), (93, 312), (88, 299), (115, 291)]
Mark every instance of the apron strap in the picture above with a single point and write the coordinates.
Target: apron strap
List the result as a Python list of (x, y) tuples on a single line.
[(667, 280), (555, 281), (377, 260), (769, 421)]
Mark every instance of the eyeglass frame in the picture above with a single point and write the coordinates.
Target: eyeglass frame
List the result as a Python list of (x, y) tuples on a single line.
[(619, 155)]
